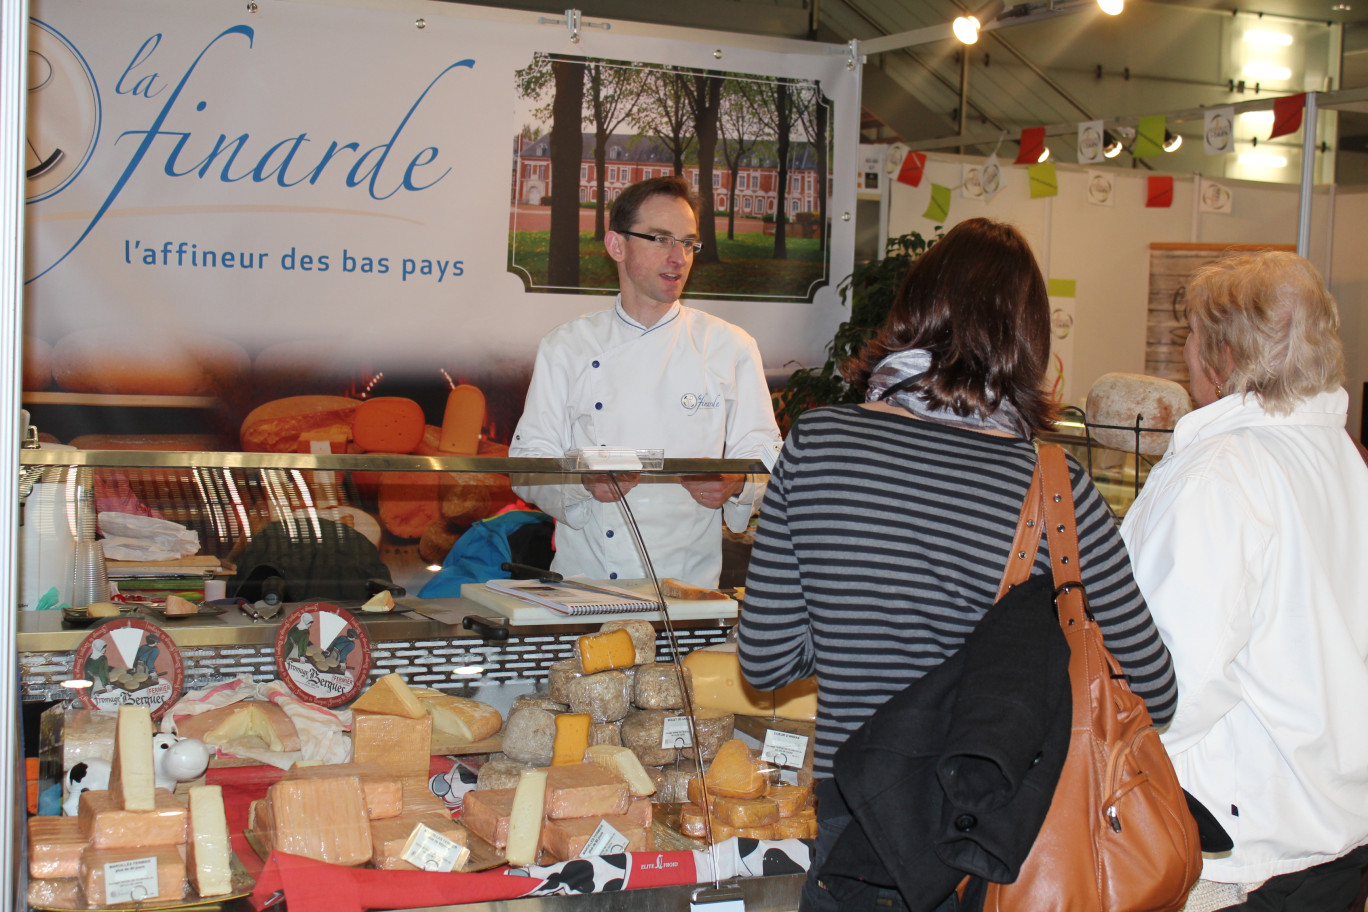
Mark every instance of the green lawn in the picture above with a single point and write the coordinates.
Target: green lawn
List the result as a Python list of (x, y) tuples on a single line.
[(747, 267)]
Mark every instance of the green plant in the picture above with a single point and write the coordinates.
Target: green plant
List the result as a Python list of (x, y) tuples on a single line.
[(870, 291)]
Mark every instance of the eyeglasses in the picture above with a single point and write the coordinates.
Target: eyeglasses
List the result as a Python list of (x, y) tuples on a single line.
[(666, 242)]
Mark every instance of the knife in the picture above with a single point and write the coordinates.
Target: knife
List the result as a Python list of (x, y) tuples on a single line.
[(590, 587)]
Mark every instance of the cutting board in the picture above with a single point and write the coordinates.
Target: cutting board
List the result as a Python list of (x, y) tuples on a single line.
[(523, 614)]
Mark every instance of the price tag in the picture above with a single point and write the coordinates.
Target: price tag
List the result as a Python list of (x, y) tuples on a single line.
[(676, 733), (784, 748), (726, 898), (605, 841), (131, 881), (429, 850)]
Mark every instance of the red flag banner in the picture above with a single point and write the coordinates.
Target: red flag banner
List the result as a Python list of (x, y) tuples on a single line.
[(913, 167), (1287, 114), (1032, 144), (1160, 193)]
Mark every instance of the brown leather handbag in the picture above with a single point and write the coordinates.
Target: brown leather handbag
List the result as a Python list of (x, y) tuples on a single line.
[(1118, 836)]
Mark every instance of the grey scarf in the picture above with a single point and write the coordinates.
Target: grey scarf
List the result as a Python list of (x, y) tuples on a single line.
[(894, 380)]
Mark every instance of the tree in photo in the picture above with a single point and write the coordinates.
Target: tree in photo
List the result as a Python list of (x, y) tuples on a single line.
[(705, 97), (811, 111), (665, 115), (613, 93), (567, 147), (739, 127), (777, 115)]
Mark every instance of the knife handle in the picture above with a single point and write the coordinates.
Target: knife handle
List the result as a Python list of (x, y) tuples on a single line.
[(527, 571), (485, 627)]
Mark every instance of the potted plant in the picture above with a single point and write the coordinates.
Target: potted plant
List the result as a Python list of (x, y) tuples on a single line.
[(870, 290)]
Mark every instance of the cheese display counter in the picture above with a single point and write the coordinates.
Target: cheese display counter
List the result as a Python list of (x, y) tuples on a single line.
[(415, 669)]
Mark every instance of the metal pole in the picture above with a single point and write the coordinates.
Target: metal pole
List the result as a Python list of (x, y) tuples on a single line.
[(1308, 175)]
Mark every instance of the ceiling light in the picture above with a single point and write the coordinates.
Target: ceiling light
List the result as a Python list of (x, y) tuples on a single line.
[(1112, 7), (966, 29), (1257, 118), (1111, 144), (1262, 160), (467, 669), (1172, 141), (1262, 70), (1274, 39)]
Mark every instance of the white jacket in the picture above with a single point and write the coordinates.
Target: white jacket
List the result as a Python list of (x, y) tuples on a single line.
[(691, 385), (1250, 544)]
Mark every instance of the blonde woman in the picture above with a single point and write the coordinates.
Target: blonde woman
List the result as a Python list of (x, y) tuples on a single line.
[(1250, 544)]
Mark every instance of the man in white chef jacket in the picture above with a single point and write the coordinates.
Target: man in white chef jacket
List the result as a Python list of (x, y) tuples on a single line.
[(648, 373)]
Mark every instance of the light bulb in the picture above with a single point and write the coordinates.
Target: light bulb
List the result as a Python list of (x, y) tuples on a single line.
[(1112, 7), (1172, 141), (966, 29), (1044, 155)]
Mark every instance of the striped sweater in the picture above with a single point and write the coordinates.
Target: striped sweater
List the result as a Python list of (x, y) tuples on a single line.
[(881, 543)]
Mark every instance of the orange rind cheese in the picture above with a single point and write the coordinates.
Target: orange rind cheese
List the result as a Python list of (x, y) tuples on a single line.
[(734, 774), (572, 738), (605, 651), (388, 424)]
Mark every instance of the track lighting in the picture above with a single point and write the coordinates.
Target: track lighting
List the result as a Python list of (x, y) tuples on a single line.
[(1172, 141), (1111, 144)]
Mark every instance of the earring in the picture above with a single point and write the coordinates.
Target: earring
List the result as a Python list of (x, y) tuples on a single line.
[(1219, 394)]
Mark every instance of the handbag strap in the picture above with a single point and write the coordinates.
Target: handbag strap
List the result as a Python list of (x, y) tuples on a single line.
[(1026, 541), (1061, 525)]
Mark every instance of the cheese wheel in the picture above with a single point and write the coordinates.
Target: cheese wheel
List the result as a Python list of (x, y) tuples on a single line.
[(559, 676), (257, 724), (606, 696), (642, 731), (643, 637), (1118, 400), (530, 736), (148, 361), (539, 701), (499, 774), (746, 812), (275, 426), (459, 718), (388, 424), (658, 686), (603, 651), (734, 774)]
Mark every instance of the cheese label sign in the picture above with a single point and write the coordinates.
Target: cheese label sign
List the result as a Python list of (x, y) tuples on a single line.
[(675, 732), (784, 748), (131, 881), (323, 654), (129, 662)]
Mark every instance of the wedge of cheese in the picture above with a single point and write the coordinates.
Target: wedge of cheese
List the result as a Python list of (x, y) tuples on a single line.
[(526, 818), (255, 724), (180, 607), (381, 601), (622, 762), (108, 825), (459, 719), (131, 778), (391, 695), (208, 857)]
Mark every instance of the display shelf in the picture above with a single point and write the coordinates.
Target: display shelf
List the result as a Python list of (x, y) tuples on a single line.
[(120, 400)]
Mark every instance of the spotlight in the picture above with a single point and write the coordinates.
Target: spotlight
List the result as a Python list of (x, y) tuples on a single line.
[(1172, 141), (1111, 144), (1044, 155), (966, 29), (1112, 7)]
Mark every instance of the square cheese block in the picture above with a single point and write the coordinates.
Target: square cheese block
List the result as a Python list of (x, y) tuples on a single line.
[(395, 744), (692, 823), (170, 871), (209, 857), (585, 790), (106, 825), (323, 819), (640, 811), (565, 839), (485, 813), (55, 845), (746, 812), (383, 792), (418, 796), (388, 837)]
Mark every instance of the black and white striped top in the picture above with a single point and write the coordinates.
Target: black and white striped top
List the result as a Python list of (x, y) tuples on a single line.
[(881, 543)]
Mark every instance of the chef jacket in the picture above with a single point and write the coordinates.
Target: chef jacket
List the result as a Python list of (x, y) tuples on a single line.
[(1248, 543), (691, 385)]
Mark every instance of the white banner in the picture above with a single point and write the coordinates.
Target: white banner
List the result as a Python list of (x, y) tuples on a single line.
[(1218, 138), (363, 182), (1090, 142)]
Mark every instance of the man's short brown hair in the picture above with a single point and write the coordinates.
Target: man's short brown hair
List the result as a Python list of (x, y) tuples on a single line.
[(623, 215)]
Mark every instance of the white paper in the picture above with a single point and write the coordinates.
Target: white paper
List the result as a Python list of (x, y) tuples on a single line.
[(1219, 136), (130, 881), (675, 732), (428, 850), (992, 178), (784, 748), (1101, 188), (1214, 197), (1090, 142), (604, 841)]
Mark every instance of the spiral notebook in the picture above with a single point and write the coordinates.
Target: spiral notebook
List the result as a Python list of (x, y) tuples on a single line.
[(571, 600)]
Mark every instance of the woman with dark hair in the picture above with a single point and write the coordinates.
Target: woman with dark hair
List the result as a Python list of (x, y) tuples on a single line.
[(1249, 540), (886, 526)]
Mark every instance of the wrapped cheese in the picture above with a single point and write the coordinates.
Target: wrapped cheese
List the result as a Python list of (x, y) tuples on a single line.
[(746, 812), (802, 825), (603, 651), (606, 696), (530, 736), (609, 733), (558, 678), (382, 791), (734, 774), (486, 812), (395, 744), (459, 719), (55, 845), (499, 774), (790, 798), (584, 790), (565, 839), (643, 637), (538, 701), (389, 836), (106, 825), (658, 686), (171, 882), (693, 823), (323, 819), (714, 727), (675, 781), (621, 762), (643, 731)]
